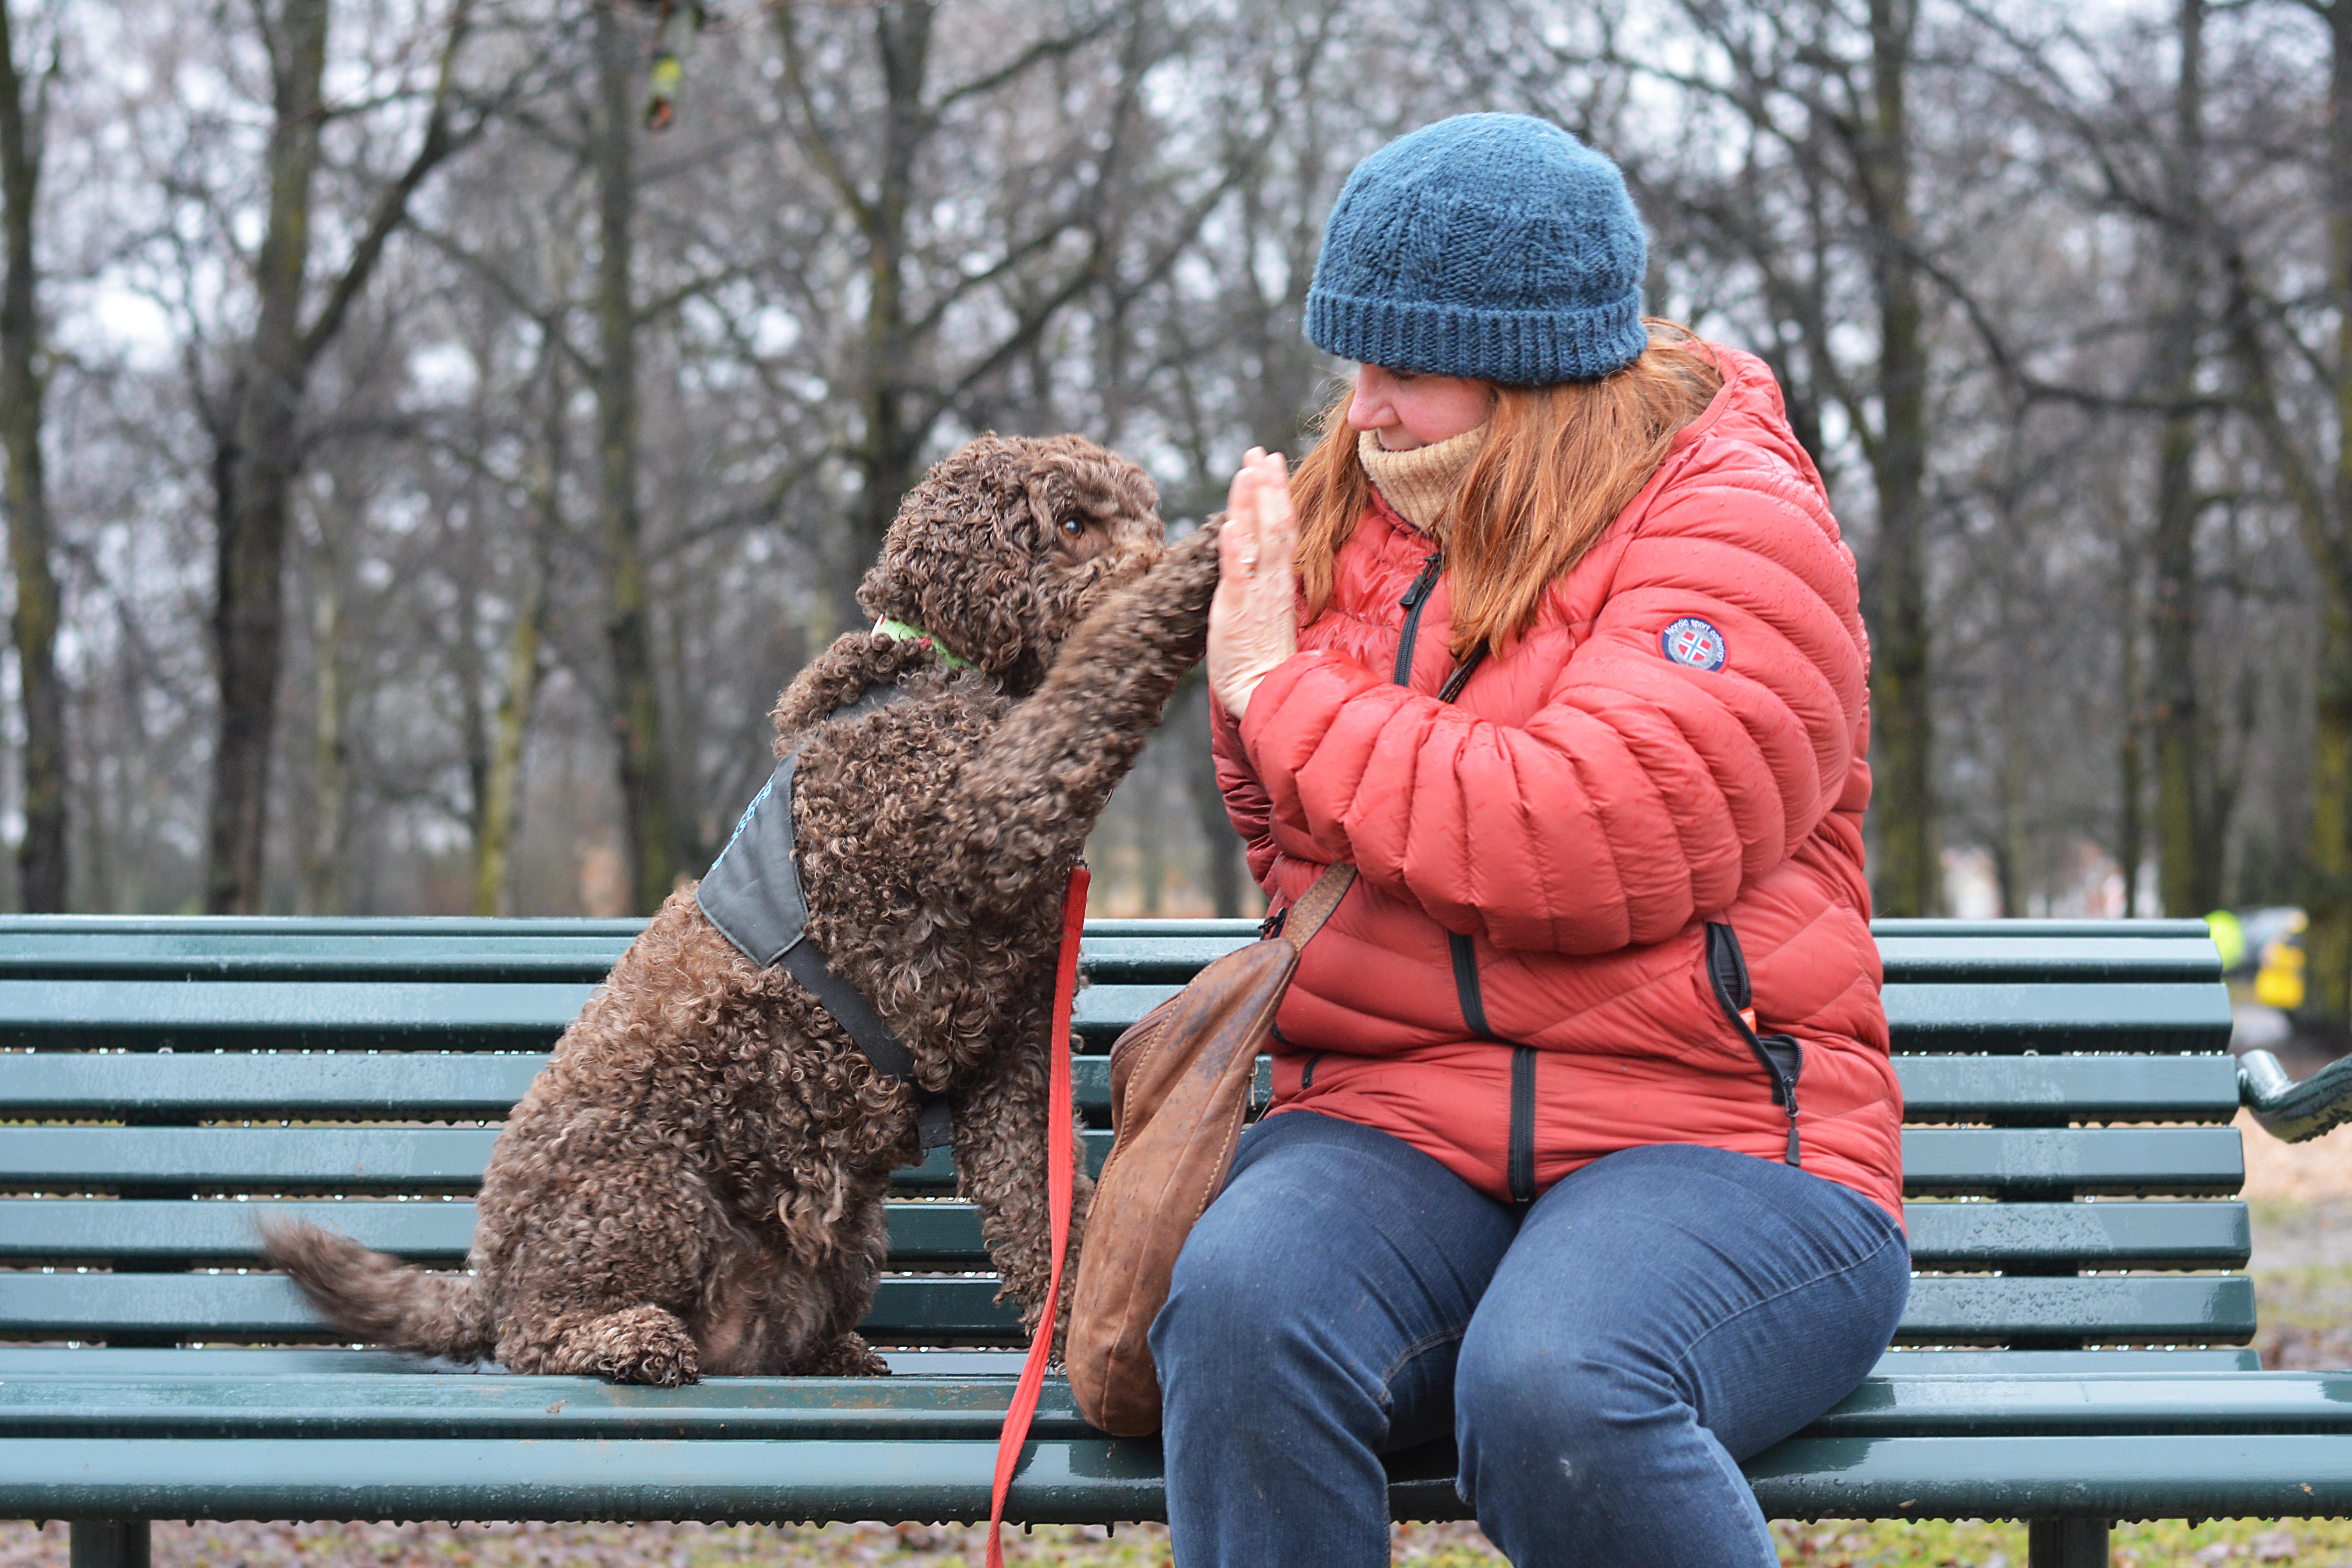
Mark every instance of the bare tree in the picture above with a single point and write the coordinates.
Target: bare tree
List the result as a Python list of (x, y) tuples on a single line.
[(256, 419), (41, 858)]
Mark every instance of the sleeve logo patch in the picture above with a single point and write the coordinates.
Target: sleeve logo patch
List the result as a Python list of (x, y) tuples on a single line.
[(1693, 642)]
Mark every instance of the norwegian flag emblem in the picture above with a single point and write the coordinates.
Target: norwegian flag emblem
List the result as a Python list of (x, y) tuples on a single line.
[(1693, 642)]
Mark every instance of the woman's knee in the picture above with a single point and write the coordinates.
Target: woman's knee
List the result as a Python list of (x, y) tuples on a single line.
[(1585, 1402)]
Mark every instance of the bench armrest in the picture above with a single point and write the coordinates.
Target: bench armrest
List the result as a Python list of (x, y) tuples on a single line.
[(2290, 1112)]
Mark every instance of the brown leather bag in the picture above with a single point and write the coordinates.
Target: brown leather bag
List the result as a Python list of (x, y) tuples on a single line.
[(1180, 1088)]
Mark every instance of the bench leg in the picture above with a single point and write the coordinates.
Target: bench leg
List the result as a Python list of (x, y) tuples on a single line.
[(2059, 1542), (109, 1544)]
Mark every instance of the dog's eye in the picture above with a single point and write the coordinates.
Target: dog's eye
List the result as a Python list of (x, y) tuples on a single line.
[(1074, 525)]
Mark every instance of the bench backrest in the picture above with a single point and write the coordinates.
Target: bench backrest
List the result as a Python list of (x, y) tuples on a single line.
[(2069, 1167)]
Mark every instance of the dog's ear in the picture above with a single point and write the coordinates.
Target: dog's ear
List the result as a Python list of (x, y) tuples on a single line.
[(958, 560)]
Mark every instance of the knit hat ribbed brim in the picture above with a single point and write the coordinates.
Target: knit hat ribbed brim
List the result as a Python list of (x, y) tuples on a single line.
[(1492, 245)]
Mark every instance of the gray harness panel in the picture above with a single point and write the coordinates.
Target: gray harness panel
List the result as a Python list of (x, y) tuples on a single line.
[(752, 894)]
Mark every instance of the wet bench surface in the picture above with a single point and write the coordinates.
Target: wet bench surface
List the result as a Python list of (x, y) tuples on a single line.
[(2072, 1352)]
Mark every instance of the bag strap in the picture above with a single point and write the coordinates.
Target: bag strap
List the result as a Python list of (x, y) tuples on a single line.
[(1305, 916), (1059, 1156)]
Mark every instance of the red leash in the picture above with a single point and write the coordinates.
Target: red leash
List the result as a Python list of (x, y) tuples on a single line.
[(1023, 1408)]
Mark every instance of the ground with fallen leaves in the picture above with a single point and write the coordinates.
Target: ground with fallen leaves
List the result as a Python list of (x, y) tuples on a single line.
[(2302, 1201)]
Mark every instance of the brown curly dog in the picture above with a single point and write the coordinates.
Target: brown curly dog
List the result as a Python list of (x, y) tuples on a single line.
[(695, 1184)]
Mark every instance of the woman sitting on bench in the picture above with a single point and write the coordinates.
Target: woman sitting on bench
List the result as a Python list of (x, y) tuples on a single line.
[(1585, 1145)]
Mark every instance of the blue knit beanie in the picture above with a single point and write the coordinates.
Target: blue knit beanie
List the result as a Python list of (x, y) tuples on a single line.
[(1491, 246)]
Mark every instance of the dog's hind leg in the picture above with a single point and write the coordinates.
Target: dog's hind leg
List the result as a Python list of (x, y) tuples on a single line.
[(644, 1344), (848, 1356), (596, 1254)]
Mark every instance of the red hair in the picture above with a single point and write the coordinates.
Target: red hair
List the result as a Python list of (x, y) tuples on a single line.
[(1558, 465)]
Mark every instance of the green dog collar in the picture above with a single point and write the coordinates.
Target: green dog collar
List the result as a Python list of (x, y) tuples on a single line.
[(905, 632)]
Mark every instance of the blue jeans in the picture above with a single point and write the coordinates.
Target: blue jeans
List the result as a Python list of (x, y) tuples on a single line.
[(1603, 1358)]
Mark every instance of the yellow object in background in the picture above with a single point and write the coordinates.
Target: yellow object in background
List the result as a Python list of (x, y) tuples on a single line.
[(2279, 982), (2229, 934)]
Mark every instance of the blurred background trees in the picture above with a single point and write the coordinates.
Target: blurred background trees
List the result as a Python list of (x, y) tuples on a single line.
[(420, 477)]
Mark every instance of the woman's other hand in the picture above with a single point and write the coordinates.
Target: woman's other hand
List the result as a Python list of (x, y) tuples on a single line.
[(1253, 620)]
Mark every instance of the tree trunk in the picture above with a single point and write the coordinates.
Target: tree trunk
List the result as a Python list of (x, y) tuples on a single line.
[(888, 449), (2188, 856), (502, 800), (2327, 942), (498, 803), (2130, 758), (248, 614), (326, 887), (648, 836), (1908, 880), (41, 859)]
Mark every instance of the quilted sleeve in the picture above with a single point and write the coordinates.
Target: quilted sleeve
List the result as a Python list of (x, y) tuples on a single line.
[(1655, 781), (1247, 802)]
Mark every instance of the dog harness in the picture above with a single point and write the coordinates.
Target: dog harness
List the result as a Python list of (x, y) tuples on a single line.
[(752, 894)]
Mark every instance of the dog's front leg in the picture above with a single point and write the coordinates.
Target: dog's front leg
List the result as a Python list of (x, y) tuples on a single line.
[(999, 1155), (1021, 808)]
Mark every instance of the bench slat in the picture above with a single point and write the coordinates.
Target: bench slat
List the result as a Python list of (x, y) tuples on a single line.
[(287, 1015), (1090, 1481), (404, 956), (483, 1086), (2195, 1308), (2145, 1161), (1095, 1480), (130, 1230), (2140, 1476), (953, 1309), (1937, 1161), (2106, 1236), (489, 1405), (246, 1159), (1135, 952), (940, 1235), (2161, 1016), (1123, 951), (2005, 1089), (912, 1309), (255, 1366), (2166, 1017), (420, 1086), (521, 1015)]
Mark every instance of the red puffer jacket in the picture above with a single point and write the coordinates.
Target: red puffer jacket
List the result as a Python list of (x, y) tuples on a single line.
[(1681, 737)]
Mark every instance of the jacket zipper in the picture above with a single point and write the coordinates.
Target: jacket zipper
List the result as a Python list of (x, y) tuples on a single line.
[(1519, 1159), (1414, 598), (1521, 1165)]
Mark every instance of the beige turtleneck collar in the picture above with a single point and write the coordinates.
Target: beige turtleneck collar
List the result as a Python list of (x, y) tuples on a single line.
[(1420, 484)]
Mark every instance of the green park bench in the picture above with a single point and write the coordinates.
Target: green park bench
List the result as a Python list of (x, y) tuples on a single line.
[(2071, 1355)]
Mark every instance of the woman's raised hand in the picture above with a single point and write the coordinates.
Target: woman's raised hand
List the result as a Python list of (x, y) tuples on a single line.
[(1252, 624)]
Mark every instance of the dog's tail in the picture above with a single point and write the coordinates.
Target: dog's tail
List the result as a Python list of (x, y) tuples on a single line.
[(380, 1299)]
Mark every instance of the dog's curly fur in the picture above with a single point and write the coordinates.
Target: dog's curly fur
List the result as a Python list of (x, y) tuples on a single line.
[(695, 1184)]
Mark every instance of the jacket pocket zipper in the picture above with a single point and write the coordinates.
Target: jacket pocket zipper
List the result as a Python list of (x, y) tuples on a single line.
[(1780, 1055)]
